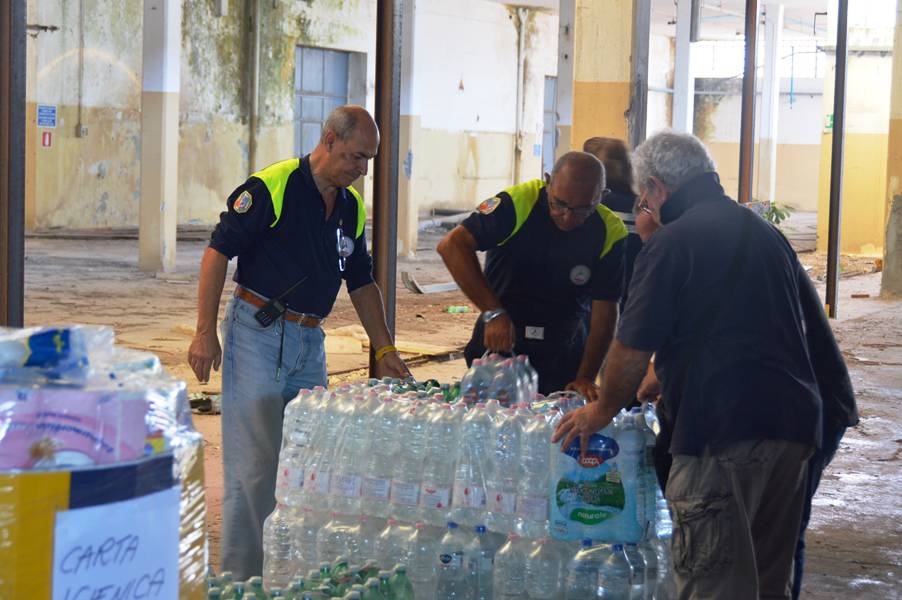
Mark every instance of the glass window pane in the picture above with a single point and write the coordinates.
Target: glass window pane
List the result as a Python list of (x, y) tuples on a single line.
[(550, 91), (333, 103), (336, 73), (311, 108), (548, 121), (312, 70), (310, 136)]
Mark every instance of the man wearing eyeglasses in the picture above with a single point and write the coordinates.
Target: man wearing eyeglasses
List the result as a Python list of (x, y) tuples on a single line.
[(297, 228), (553, 273)]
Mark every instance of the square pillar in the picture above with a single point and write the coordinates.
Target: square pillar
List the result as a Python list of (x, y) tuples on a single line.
[(770, 104), (160, 135)]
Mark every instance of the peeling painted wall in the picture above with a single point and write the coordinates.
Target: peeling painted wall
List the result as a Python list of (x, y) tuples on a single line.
[(465, 76), (94, 181)]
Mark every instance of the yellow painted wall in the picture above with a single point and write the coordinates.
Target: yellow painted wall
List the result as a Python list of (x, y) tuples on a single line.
[(797, 192), (863, 193), (599, 109)]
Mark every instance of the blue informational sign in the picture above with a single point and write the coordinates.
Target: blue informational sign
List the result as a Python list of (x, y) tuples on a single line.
[(47, 115)]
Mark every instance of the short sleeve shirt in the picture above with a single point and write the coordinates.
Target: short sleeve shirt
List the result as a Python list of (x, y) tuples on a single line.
[(543, 275), (299, 244)]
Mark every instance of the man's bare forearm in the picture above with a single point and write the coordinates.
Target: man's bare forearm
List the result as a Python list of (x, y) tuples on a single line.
[(623, 373), (367, 301), (213, 267), (601, 333), (458, 251)]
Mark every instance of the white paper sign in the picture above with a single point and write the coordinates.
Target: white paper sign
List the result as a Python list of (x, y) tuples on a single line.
[(126, 549)]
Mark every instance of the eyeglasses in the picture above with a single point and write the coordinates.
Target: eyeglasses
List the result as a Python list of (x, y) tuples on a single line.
[(339, 249), (642, 206), (580, 212)]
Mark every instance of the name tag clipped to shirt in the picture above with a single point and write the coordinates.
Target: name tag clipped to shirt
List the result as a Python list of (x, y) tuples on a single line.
[(534, 333)]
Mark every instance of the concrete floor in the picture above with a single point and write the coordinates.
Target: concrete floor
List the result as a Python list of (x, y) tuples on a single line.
[(855, 539)]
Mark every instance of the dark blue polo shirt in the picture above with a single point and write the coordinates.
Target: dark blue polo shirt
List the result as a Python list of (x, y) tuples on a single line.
[(716, 294), (302, 243), (542, 275)]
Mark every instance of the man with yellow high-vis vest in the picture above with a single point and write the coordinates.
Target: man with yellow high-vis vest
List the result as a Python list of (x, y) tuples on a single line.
[(553, 273), (297, 228)]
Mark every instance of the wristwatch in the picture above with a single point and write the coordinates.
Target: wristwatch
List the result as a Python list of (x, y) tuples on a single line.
[(491, 314)]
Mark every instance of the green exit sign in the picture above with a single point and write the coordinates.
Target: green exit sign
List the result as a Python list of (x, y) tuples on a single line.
[(828, 123)]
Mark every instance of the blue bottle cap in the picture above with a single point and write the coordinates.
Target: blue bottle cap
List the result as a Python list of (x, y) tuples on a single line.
[(618, 547), (452, 525), (587, 543), (480, 529)]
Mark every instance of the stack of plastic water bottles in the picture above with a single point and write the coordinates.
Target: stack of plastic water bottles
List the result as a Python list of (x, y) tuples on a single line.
[(405, 487)]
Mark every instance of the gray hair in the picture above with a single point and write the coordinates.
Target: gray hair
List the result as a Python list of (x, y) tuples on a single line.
[(342, 122), (672, 157)]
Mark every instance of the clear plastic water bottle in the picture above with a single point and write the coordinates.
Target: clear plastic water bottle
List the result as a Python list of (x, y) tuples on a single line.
[(475, 383), (637, 571), (332, 540), (391, 545), (581, 580), (510, 569), (303, 544), (480, 561), (277, 555), (451, 579), (505, 385), (614, 576), (543, 570), (353, 444), (438, 466), (363, 544), (647, 550), (421, 552), (405, 485), (651, 478), (378, 463), (530, 376), (469, 498), (401, 587), (532, 489), (665, 586), (504, 474)]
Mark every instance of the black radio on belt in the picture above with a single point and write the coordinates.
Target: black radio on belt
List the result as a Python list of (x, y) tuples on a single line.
[(275, 308)]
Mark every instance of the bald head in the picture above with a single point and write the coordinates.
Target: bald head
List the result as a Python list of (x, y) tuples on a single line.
[(581, 170), (345, 120)]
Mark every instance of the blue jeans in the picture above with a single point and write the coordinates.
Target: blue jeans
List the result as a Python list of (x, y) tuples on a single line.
[(816, 465), (253, 402)]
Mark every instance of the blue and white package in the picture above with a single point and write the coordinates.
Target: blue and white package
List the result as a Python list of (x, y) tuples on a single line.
[(596, 496)]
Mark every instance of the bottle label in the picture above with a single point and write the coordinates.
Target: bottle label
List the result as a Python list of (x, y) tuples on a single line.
[(347, 486), (481, 563), (501, 502), (435, 497), (468, 496), (450, 560), (292, 477), (405, 493), (532, 508), (319, 481), (377, 489)]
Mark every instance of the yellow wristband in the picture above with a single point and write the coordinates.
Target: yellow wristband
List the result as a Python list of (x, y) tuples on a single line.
[(381, 352)]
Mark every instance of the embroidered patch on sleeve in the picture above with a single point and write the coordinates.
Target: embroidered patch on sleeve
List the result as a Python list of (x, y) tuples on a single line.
[(489, 205), (243, 202)]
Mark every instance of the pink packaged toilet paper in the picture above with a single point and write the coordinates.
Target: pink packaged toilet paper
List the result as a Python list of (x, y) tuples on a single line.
[(48, 428)]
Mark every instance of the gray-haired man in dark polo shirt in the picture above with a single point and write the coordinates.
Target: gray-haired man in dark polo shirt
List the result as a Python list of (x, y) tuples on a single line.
[(715, 295)]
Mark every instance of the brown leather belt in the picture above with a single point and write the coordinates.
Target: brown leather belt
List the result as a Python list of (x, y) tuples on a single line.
[(252, 298)]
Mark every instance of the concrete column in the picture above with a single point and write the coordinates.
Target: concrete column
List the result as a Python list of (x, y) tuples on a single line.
[(683, 81), (594, 70), (565, 62), (770, 104), (159, 134), (891, 283), (408, 210)]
